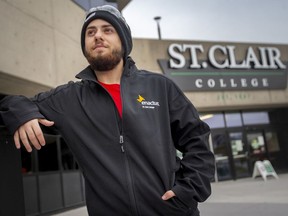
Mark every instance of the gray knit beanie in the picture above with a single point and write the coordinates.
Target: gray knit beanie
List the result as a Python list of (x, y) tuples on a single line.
[(115, 18)]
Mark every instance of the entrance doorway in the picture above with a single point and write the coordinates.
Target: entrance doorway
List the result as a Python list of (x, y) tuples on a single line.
[(231, 153), (239, 139)]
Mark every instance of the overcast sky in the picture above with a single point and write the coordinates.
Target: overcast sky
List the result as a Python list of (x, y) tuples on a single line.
[(263, 21)]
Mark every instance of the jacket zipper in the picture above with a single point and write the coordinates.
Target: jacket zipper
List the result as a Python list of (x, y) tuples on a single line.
[(128, 171), (121, 138), (129, 178), (121, 143), (131, 191)]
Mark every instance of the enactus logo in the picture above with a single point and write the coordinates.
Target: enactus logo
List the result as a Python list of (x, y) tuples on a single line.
[(147, 104)]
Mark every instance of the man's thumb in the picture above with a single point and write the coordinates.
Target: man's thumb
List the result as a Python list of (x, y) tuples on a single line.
[(46, 122), (168, 195)]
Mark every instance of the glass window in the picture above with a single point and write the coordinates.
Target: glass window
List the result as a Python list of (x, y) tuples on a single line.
[(256, 142), (250, 118), (233, 119), (214, 120), (237, 145), (220, 143), (272, 142)]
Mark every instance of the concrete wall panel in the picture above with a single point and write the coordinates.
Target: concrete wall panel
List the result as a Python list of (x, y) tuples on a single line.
[(68, 55), (27, 46), (40, 42)]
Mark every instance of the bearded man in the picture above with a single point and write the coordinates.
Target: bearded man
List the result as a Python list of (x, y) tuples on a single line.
[(123, 126)]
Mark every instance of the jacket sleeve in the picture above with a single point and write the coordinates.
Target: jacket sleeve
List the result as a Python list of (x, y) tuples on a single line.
[(190, 136), (16, 110)]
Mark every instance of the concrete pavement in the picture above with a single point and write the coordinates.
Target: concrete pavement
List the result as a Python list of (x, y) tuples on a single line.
[(243, 197), (248, 197)]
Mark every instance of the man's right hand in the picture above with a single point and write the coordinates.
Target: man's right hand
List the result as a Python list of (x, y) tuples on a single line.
[(30, 134)]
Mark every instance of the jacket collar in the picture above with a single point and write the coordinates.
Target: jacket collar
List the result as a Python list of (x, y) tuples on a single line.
[(88, 73)]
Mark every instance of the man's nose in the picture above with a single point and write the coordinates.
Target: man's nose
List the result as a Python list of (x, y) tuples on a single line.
[(98, 34)]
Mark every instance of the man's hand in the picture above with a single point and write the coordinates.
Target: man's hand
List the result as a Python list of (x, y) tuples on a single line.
[(168, 195), (30, 133)]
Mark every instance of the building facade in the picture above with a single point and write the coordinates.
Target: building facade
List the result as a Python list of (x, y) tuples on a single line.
[(239, 89)]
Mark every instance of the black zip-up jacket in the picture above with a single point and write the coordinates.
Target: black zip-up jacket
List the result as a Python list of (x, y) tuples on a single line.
[(128, 163)]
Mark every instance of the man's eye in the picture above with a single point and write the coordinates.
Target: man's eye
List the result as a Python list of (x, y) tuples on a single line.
[(108, 30), (90, 33)]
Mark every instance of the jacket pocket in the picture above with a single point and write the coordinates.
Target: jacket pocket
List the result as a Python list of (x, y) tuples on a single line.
[(190, 210), (179, 203)]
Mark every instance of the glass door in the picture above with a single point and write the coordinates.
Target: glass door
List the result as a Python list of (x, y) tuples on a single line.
[(221, 151), (239, 154), (257, 146)]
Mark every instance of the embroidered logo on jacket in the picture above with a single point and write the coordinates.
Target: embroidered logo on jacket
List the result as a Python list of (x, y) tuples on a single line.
[(147, 104), (140, 98)]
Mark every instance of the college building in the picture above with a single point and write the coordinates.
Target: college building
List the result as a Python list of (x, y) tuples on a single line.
[(239, 89)]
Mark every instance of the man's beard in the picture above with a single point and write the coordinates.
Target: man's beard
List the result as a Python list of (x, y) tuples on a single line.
[(105, 63)]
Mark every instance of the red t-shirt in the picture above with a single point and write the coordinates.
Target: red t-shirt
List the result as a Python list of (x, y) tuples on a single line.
[(114, 90)]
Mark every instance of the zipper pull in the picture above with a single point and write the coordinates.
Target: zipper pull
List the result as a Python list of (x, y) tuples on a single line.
[(121, 143)]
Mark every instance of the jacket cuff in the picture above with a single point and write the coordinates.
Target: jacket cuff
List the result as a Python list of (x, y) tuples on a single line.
[(185, 196), (13, 126)]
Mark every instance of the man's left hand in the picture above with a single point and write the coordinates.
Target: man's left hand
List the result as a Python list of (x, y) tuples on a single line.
[(169, 194)]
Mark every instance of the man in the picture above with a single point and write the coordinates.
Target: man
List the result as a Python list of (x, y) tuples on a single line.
[(123, 125)]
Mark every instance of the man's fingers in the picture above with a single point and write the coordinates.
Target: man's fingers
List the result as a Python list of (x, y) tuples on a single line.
[(38, 135), (30, 134), (24, 139), (16, 140), (168, 195), (38, 131), (32, 137)]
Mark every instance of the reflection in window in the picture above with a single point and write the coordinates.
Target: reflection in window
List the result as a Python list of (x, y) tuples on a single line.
[(272, 142), (220, 145), (241, 167), (223, 170), (214, 120), (233, 119), (221, 153), (256, 143), (250, 118), (236, 142)]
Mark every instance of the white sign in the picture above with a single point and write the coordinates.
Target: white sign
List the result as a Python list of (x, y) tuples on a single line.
[(269, 57), (197, 67), (264, 168)]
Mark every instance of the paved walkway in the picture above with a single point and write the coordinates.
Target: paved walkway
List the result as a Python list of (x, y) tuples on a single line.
[(250, 190), (243, 197), (248, 197)]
